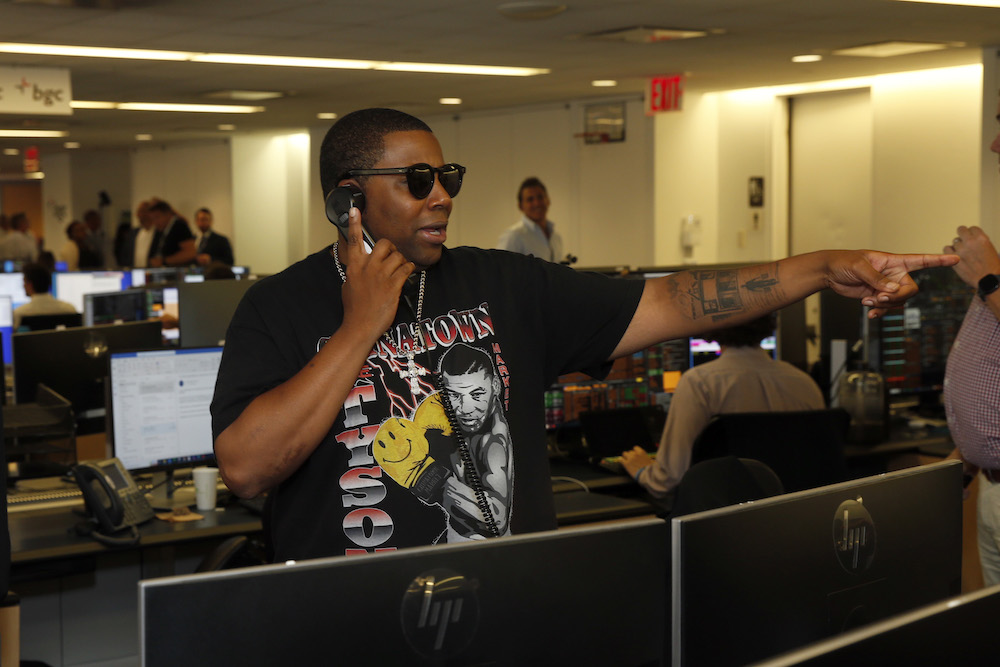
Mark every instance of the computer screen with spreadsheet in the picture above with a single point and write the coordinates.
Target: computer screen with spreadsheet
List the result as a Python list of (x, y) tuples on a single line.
[(159, 407)]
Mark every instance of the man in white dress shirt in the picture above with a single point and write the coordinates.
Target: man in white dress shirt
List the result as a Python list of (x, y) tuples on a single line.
[(534, 234)]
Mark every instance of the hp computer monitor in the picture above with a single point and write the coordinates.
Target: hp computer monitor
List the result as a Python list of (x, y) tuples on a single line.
[(159, 409), (206, 308), (127, 305), (755, 580), (74, 363), (576, 596)]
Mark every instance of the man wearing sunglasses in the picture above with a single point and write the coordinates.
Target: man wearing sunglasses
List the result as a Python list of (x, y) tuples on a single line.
[(321, 355)]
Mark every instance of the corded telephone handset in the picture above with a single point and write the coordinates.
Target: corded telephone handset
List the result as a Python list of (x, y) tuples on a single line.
[(114, 502), (339, 203)]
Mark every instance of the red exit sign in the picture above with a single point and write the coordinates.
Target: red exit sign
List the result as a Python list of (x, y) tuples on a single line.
[(665, 93)]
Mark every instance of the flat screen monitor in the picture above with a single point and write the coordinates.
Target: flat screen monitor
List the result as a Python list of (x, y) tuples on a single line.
[(72, 286), (161, 274), (12, 285), (755, 580), (127, 305), (702, 350), (564, 597), (159, 409), (956, 631), (6, 326), (74, 363), (206, 308), (50, 321)]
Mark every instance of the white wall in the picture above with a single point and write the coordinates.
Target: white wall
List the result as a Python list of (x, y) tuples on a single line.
[(271, 175), (926, 155)]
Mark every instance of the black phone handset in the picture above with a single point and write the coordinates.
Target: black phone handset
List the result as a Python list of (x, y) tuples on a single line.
[(114, 502), (338, 207)]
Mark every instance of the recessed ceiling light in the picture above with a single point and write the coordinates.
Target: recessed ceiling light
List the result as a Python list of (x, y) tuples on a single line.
[(143, 137), (33, 134), (227, 127), (530, 11), (604, 83), (35, 175), (890, 49), (71, 144), (641, 34), (450, 100), (808, 58), (11, 151), (326, 115)]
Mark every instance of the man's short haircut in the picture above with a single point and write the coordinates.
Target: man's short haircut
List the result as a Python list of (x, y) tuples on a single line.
[(204, 209), (69, 228), (18, 220), (530, 182), (746, 335), (357, 141), (38, 277), (161, 207), (463, 359)]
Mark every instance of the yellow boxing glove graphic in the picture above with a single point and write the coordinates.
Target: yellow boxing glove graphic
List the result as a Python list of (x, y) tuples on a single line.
[(402, 451)]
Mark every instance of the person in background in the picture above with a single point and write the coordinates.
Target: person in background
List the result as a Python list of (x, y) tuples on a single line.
[(534, 234), (19, 244), (95, 235), (143, 239), (212, 246), (322, 355), (744, 378), (176, 243), (37, 283), (77, 252)]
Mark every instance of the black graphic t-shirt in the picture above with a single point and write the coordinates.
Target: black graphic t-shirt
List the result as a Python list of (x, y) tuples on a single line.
[(500, 328)]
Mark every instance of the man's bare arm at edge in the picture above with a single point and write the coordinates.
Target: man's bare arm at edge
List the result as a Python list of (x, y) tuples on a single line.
[(697, 301), (281, 428)]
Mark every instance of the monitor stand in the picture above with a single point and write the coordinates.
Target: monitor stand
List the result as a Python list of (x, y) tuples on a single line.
[(165, 496)]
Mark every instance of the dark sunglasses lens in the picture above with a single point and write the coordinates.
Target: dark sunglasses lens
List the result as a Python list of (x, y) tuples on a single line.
[(451, 179), (420, 180)]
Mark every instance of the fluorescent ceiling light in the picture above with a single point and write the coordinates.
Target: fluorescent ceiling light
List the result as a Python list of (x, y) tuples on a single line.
[(71, 144), (890, 49), (11, 151), (143, 137), (161, 106), (604, 83), (967, 3), (450, 100), (808, 58), (33, 134), (273, 61), (245, 95), (227, 127), (35, 175), (326, 115)]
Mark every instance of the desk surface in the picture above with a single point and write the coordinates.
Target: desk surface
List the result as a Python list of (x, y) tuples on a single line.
[(46, 534)]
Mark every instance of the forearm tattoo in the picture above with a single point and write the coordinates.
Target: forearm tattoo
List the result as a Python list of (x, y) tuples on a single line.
[(726, 293)]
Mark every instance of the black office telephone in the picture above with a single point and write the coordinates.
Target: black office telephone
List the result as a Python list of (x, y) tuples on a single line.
[(114, 503)]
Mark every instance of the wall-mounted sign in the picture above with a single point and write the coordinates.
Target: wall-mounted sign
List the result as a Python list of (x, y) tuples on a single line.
[(664, 93), (35, 91)]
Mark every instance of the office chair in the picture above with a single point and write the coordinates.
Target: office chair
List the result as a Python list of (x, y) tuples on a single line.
[(233, 552), (805, 448), (723, 481)]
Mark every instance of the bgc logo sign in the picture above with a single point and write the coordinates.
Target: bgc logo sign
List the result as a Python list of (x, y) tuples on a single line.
[(35, 91)]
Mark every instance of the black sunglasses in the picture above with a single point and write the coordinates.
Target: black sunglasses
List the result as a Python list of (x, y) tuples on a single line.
[(420, 177)]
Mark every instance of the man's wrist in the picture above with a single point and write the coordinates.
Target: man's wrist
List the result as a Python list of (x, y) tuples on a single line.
[(638, 472)]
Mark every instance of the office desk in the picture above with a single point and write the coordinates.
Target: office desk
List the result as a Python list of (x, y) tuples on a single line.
[(570, 475)]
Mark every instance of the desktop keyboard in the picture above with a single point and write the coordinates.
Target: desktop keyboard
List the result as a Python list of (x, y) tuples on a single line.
[(614, 464), (21, 501)]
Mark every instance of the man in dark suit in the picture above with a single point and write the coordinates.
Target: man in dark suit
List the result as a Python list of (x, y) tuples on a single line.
[(212, 247)]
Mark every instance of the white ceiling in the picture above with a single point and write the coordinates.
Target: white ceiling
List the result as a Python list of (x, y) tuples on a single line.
[(751, 45)]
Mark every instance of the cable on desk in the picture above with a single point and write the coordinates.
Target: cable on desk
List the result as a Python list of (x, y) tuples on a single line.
[(574, 480)]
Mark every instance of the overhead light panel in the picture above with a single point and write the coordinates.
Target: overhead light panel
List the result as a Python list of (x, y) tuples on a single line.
[(161, 106), (967, 3), (245, 95), (890, 49), (143, 137), (807, 58), (326, 115), (646, 35), (604, 83), (265, 60), (33, 134), (450, 100)]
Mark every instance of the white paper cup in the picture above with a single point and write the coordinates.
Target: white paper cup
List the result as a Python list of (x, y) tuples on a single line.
[(205, 487)]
